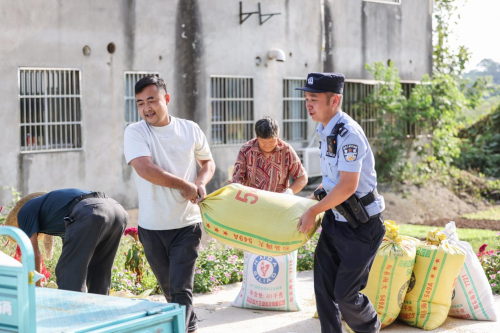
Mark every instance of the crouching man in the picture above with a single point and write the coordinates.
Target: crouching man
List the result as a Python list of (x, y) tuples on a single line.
[(90, 225)]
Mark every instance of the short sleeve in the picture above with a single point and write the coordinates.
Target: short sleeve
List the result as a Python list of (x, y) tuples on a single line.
[(134, 144), (240, 168), (28, 221), (352, 152), (202, 150), (296, 169)]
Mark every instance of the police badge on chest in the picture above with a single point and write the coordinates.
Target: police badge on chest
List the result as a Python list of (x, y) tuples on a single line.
[(350, 152)]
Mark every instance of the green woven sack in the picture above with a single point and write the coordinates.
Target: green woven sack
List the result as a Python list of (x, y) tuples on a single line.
[(256, 221)]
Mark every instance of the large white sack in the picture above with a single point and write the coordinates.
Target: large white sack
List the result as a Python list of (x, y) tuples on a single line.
[(269, 283), (472, 298)]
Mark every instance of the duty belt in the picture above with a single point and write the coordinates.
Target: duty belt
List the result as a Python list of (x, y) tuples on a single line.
[(83, 197), (353, 210), (369, 198)]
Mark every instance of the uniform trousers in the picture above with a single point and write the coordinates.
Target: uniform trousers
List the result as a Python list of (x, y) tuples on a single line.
[(93, 233), (172, 255), (342, 261)]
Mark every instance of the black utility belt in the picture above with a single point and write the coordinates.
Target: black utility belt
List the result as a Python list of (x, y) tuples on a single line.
[(83, 197), (354, 208)]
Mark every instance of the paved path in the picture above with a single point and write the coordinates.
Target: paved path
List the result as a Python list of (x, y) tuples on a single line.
[(216, 315)]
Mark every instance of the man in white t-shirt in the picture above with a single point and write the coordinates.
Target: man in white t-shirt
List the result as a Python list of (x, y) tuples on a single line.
[(164, 151)]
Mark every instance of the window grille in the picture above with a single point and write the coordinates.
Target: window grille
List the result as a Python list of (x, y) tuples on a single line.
[(294, 111), (131, 113), (389, 2), (50, 109), (231, 109), (355, 94)]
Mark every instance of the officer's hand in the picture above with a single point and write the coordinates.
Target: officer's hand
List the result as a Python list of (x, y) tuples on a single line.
[(190, 192), (306, 222), (202, 192)]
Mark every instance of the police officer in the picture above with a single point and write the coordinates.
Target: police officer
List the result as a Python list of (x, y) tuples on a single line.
[(352, 233)]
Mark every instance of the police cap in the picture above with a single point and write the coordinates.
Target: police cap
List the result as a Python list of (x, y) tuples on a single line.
[(324, 82)]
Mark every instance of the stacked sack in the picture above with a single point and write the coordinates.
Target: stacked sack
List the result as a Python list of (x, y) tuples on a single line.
[(436, 269), (269, 283), (472, 298), (391, 273), (256, 221)]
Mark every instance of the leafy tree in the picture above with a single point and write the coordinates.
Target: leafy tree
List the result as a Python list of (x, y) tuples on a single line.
[(445, 59)]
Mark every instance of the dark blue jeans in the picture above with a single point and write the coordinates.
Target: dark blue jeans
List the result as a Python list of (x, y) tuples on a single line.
[(172, 256), (342, 261)]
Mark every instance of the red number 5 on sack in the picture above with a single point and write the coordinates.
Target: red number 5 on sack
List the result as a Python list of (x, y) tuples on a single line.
[(245, 197)]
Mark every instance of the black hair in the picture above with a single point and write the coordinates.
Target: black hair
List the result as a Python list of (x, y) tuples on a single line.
[(266, 128), (150, 80)]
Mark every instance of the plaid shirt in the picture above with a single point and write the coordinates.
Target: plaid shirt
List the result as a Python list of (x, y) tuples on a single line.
[(254, 169)]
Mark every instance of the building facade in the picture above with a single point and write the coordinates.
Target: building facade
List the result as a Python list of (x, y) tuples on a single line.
[(68, 68)]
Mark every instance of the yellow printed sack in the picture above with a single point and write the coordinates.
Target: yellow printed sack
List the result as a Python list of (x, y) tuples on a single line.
[(256, 221), (436, 269), (390, 273)]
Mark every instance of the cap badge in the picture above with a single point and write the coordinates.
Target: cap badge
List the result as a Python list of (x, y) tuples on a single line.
[(310, 81)]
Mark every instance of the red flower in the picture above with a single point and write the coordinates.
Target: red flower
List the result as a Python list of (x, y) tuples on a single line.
[(482, 248), (45, 272), (133, 232), (17, 256), (1, 209)]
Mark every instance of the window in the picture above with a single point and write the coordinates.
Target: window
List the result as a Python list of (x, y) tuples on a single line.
[(231, 109), (355, 94), (294, 111), (131, 112), (389, 2), (50, 109)]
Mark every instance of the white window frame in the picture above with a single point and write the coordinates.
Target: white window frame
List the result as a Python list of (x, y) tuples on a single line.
[(131, 113), (241, 95), (387, 2), (50, 120), (293, 125)]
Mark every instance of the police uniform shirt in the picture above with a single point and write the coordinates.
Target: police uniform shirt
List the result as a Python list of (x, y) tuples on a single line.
[(353, 154)]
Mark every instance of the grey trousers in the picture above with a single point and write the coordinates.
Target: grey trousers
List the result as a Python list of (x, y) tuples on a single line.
[(172, 255), (93, 233)]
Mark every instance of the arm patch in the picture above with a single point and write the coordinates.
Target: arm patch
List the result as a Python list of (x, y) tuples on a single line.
[(350, 152)]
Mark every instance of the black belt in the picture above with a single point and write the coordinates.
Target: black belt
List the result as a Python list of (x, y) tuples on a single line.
[(83, 197), (369, 198)]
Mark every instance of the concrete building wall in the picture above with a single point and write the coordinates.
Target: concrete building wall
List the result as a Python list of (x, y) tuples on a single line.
[(232, 48), (52, 34), (364, 32), (186, 42)]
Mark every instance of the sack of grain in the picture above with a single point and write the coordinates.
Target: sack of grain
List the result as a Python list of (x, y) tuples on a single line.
[(436, 269), (472, 298), (269, 283), (391, 273), (256, 221)]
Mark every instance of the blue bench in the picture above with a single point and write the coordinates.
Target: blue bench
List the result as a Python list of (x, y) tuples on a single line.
[(26, 309)]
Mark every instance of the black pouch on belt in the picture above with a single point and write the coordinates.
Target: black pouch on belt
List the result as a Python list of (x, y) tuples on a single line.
[(358, 209), (347, 213)]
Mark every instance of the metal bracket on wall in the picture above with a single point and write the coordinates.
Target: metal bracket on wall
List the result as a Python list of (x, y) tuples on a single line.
[(247, 15)]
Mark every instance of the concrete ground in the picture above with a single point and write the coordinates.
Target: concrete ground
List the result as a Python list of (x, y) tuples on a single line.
[(216, 315)]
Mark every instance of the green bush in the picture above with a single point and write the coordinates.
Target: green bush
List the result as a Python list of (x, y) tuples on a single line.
[(490, 260), (217, 265), (305, 255)]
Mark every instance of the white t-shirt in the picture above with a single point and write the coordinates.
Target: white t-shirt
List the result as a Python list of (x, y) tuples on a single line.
[(175, 148)]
